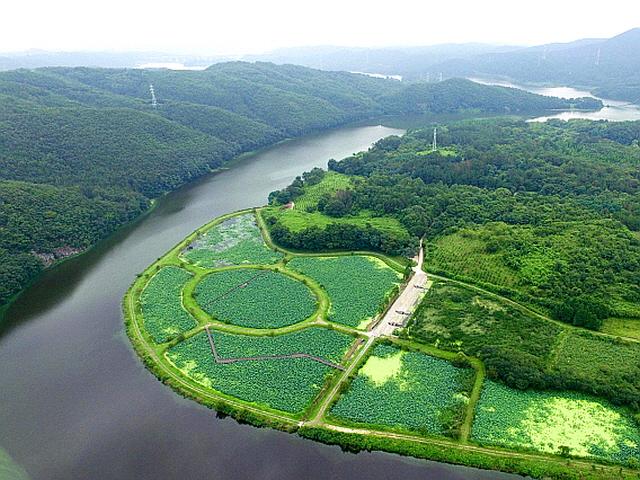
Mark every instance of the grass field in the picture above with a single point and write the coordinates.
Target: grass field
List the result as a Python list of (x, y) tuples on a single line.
[(331, 182), (288, 385), (587, 357), (406, 390), (358, 285), (235, 241), (455, 318), (554, 422), (465, 254), (305, 213), (543, 266), (255, 298), (297, 220), (622, 327), (161, 304)]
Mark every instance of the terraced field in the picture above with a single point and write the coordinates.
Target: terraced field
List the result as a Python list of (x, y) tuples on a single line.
[(358, 286)]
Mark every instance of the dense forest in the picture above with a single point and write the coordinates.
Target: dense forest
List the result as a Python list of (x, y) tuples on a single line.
[(83, 151)]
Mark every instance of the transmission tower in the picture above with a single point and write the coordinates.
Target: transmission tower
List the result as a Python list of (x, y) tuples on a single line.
[(154, 102), (598, 58), (440, 76), (434, 146)]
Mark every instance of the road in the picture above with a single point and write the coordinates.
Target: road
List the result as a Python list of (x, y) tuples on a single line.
[(416, 288)]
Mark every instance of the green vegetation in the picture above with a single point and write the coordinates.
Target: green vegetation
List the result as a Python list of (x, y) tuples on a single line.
[(82, 151), (539, 264), (320, 342), (255, 298), (606, 366), (622, 327), (235, 241), (161, 304), (288, 385), (542, 213), (411, 398), (558, 423), (407, 391), (456, 318), (318, 221), (359, 287), (525, 350)]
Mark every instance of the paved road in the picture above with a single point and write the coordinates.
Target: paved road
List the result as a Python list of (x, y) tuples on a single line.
[(406, 302)]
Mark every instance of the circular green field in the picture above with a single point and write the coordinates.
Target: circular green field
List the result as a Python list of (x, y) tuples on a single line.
[(255, 298)]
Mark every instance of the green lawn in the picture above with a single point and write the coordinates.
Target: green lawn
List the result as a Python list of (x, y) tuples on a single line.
[(331, 182)]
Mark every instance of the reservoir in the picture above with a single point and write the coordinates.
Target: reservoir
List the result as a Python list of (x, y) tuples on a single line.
[(614, 110), (77, 403)]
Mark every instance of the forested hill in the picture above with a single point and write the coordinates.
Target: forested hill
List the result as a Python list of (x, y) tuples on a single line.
[(551, 212), (83, 151)]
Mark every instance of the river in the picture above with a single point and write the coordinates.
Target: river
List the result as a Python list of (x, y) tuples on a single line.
[(614, 110), (76, 402)]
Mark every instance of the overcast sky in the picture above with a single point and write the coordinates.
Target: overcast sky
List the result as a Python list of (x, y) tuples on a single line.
[(242, 26)]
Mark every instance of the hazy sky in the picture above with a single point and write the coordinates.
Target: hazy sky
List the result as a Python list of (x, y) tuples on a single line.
[(242, 26)]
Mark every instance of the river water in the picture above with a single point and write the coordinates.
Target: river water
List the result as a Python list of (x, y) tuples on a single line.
[(614, 110), (76, 402)]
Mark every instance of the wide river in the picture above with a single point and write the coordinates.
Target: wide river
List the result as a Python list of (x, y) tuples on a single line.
[(75, 401)]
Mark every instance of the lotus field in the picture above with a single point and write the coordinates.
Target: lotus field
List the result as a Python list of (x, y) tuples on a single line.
[(321, 342), (255, 298), (235, 241), (288, 385), (555, 422), (161, 304), (407, 391), (359, 286)]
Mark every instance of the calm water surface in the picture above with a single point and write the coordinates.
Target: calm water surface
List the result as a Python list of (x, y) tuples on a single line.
[(76, 403), (614, 110)]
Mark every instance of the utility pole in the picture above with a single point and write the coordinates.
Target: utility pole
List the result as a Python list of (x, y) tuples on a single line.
[(434, 146), (154, 102)]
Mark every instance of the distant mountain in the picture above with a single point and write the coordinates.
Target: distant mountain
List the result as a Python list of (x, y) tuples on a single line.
[(43, 58), (405, 61), (609, 67)]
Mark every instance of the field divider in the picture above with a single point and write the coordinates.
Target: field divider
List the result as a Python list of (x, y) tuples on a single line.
[(260, 358), (240, 285)]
